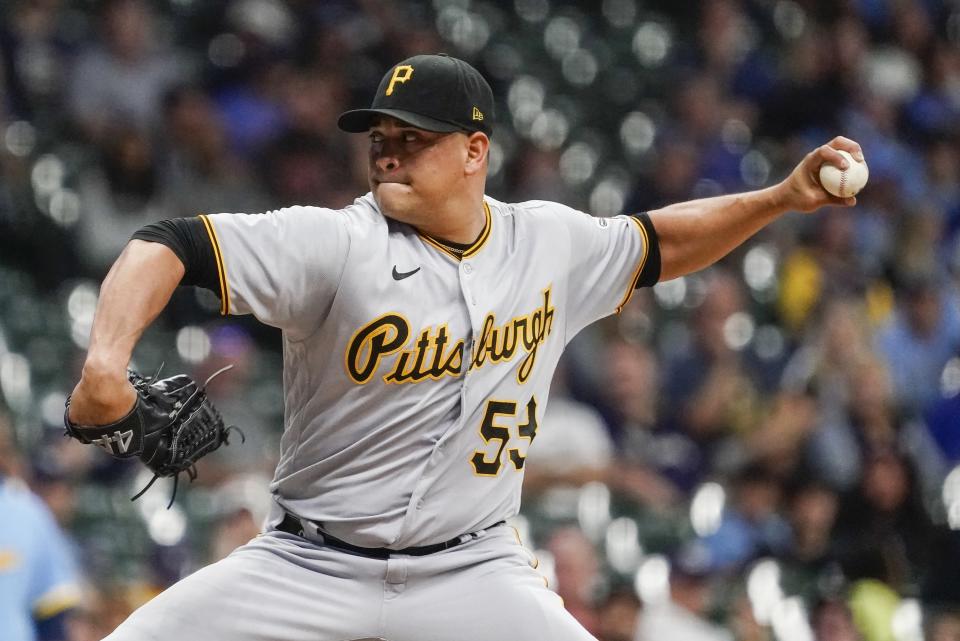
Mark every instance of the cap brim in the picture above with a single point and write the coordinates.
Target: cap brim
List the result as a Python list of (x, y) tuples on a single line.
[(359, 120)]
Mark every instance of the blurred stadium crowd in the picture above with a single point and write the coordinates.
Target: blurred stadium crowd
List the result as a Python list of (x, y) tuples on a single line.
[(766, 450)]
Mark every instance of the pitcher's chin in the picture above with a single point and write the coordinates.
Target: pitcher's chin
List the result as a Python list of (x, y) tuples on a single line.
[(395, 201)]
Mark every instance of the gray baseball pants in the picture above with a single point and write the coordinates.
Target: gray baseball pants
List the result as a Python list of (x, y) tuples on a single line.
[(281, 587)]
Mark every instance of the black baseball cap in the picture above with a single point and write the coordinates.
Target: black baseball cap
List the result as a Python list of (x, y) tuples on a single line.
[(433, 92)]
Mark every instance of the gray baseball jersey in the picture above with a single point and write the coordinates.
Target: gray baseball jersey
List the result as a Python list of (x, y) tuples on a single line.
[(415, 378)]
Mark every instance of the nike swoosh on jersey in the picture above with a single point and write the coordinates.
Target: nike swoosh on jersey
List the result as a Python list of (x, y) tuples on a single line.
[(401, 275)]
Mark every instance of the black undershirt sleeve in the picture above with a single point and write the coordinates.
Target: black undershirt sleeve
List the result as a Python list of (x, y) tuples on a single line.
[(189, 240), (650, 273)]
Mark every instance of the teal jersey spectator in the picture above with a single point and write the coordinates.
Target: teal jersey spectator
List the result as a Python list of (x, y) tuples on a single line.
[(38, 575)]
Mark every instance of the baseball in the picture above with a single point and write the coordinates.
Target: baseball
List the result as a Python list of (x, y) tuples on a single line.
[(844, 183)]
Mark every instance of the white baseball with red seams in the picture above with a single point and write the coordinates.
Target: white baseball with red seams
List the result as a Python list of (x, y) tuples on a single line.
[(844, 183)]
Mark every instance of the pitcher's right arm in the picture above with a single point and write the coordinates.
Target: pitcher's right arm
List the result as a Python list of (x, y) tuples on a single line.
[(133, 294)]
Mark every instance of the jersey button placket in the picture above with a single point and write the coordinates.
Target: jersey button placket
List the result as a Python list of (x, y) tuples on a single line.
[(467, 268)]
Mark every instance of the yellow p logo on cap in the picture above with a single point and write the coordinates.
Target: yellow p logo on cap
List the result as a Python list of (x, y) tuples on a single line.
[(401, 74)]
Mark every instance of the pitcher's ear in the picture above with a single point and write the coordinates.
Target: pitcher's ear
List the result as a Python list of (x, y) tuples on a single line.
[(478, 146)]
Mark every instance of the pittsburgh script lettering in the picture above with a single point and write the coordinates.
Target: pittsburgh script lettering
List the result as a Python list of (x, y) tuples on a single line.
[(432, 353), (500, 343)]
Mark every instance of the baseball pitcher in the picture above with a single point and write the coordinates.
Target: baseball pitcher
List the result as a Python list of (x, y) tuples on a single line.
[(421, 328)]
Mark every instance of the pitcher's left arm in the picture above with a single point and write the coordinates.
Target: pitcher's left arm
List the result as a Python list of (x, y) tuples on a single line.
[(697, 233)]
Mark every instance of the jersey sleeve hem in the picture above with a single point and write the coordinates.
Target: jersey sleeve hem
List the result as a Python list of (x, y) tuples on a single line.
[(650, 274), (189, 240), (221, 268), (635, 279)]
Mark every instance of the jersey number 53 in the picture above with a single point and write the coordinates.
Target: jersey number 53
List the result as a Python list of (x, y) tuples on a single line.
[(487, 463)]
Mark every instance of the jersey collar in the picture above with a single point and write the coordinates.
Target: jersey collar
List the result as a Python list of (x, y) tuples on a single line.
[(472, 249)]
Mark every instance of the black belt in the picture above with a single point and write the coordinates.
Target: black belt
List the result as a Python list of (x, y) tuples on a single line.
[(291, 525)]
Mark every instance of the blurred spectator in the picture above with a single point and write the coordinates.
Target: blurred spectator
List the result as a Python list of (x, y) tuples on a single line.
[(720, 36), (102, 611), (578, 575), (234, 530), (533, 175), (883, 532), (672, 179), (918, 251), (871, 421), (685, 614), (243, 503), (806, 94), (618, 615), (942, 419), (39, 579), (782, 433), (245, 397), (751, 525), (200, 172), (58, 492), (712, 388), (11, 461), (832, 620), (252, 109), (657, 462), (573, 445), (124, 78), (943, 176), (945, 627), (913, 29), (921, 337), (703, 108), (118, 198), (742, 620), (305, 163), (810, 563), (574, 439), (885, 75), (825, 364), (314, 98), (824, 268), (301, 170), (34, 50), (933, 112), (699, 104)]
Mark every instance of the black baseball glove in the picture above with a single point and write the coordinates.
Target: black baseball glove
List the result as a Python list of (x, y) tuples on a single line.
[(172, 425)]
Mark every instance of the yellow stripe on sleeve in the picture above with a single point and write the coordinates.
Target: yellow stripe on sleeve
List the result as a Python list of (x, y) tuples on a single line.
[(640, 265), (57, 600), (221, 268)]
